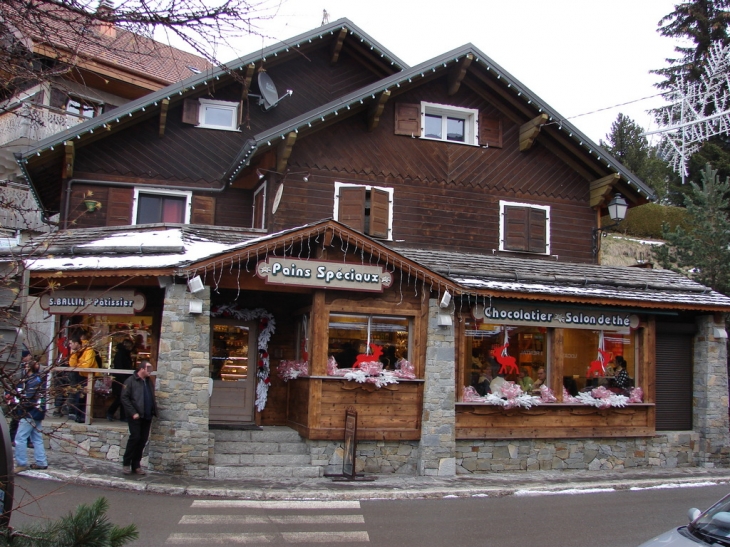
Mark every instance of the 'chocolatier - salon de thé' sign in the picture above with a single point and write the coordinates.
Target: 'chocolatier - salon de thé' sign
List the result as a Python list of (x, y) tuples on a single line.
[(323, 274), (99, 302)]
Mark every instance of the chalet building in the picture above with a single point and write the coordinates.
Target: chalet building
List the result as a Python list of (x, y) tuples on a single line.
[(412, 243)]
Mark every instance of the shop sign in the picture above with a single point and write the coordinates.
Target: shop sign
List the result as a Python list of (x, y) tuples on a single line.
[(116, 302), (323, 274), (533, 315)]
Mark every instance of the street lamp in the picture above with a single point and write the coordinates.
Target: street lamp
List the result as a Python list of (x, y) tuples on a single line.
[(617, 208)]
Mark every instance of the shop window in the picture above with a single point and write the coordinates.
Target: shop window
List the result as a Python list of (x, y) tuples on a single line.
[(501, 353), (367, 209), (524, 227), (161, 206), (211, 114), (351, 335), (589, 358)]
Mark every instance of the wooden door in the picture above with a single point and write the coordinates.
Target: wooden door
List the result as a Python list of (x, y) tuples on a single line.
[(233, 372)]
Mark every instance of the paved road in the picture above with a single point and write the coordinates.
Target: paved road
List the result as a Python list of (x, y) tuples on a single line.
[(615, 518)]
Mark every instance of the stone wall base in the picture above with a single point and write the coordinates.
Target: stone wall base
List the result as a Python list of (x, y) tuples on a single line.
[(668, 450), (103, 443), (378, 457)]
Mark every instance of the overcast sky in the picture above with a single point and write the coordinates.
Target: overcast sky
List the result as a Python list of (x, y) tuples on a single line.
[(577, 55)]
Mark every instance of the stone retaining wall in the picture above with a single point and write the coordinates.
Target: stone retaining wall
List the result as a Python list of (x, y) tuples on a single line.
[(93, 441)]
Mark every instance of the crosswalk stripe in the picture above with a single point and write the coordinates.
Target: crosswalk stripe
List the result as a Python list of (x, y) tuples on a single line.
[(325, 537), (214, 504), (219, 539), (276, 519)]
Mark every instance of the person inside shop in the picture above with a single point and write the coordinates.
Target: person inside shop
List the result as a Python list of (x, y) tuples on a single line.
[(541, 380), (347, 357), (122, 360), (61, 378), (388, 358), (621, 378), (138, 398), (33, 410), (525, 381), (82, 356)]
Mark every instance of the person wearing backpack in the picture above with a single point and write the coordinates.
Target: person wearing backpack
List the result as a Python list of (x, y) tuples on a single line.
[(33, 407), (82, 356)]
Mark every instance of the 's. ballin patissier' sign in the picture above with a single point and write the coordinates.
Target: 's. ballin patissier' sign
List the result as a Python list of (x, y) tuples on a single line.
[(323, 274), (519, 314), (93, 302)]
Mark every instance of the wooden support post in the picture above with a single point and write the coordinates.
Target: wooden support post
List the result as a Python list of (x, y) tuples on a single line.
[(68, 160), (337, 46), (458, 73), (601, 189), (284, 151), (164, 105), (530, 130), (376, 109)]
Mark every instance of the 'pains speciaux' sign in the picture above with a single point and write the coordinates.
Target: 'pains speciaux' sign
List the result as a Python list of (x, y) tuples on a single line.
[(323, 274)]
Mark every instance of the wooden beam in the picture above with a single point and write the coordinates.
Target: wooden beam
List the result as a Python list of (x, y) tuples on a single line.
[(376, 109), (284, 151), (601, 188), (68, 160), (337, 46), (247, 81), (457, 74), (164, 105), (530, 130)]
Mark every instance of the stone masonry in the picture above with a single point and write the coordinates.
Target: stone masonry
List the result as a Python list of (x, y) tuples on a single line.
[(179, 441), (710, 408), (438, 427)]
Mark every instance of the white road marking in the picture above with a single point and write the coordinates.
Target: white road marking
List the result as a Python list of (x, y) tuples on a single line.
[(215, 504), (325, 537), (218, 539), (268, 519)]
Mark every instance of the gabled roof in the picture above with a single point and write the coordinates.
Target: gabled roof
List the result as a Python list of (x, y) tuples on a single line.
[(188, 85), (185, 250)]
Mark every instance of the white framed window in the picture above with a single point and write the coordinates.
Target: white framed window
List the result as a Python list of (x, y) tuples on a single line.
[(367, 209), (158, 205), (524, 227), (449, 123), (259, 208), (218, 115)]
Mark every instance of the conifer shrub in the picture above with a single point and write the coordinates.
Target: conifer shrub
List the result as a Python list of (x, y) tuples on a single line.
[(647, 220)]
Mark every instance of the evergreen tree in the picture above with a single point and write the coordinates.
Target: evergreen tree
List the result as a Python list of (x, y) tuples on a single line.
[(702, 251), (701, 22), (87, 527), (633, 150)]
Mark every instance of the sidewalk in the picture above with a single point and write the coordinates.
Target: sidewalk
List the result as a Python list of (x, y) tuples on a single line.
[(93, 472)]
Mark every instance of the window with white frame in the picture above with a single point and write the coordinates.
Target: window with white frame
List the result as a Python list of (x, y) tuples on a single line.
[(160, 205), (524, 227), (367, 209), (218, 114), (449, 123)]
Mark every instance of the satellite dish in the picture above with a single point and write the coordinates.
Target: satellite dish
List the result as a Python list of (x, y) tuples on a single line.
[(269, 97), (277, 198)]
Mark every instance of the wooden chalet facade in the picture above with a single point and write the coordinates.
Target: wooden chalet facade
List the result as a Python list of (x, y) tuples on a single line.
[(440, 218)]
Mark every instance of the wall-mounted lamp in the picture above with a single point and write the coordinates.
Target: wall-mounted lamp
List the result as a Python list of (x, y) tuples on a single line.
[(617, 208), (261, 173), (195, 307)]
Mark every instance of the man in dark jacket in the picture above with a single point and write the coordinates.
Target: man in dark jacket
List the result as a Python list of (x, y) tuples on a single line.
[(138, 398), (33, 407)]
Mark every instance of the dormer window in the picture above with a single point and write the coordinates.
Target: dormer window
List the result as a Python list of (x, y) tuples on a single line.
[(211, 114), (449, 123)]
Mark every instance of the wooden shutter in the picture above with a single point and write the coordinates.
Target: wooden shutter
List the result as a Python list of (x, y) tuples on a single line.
[(490, 131), (408, 119), (537, 230), (515, 228), (119, 210), (203, 210), (673, 382), (351, 210), (58, 98), (379, 213), (190, 111)]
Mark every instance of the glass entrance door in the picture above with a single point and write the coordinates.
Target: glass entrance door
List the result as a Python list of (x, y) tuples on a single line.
[(233, 372)]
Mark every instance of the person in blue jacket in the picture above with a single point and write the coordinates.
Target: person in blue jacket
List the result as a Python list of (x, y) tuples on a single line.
[(32, 408)]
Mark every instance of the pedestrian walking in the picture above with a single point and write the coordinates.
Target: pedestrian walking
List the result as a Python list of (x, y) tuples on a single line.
[(33, 408), (138, 398)]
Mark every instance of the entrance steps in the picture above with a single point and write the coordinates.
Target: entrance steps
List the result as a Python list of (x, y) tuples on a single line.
[(273, 452)]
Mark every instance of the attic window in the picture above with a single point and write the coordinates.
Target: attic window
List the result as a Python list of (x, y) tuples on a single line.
[(210, 114), (524, 227)]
